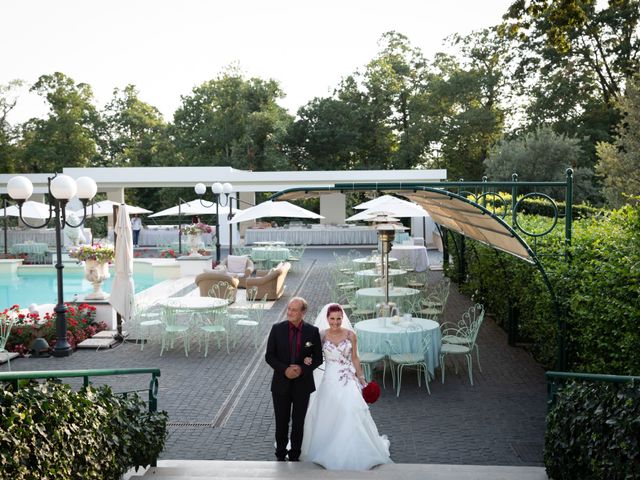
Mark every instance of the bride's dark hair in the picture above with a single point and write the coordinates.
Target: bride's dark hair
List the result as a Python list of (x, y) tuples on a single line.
[(334, 307)]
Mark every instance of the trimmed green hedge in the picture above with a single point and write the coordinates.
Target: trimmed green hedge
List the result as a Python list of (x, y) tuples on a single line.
[(50, 431), (598, 290), (593, 432)]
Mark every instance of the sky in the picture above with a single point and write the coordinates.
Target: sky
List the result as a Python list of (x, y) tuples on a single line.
[(167, 47)]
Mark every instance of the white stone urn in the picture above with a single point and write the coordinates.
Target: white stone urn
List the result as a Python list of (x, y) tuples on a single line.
[(194, 242), (96, 272)]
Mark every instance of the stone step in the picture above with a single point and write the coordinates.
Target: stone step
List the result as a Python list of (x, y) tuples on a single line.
[(218, 469)]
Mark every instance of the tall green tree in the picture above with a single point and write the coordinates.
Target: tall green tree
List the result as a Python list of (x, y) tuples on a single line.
[(134, 132), (575, 56), (232, 121), (619, 162), (8, 134), (66, 137)]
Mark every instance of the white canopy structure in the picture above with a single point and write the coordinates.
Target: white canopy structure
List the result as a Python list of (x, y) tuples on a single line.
[(194, 207), (395, 207), (274, 209), (105, 208)]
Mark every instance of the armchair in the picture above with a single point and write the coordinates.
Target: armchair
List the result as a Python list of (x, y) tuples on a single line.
[(271, 283), (240, 267), (205, 281)]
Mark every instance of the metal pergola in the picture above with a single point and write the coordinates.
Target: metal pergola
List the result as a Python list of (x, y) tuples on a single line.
[(461, 207)]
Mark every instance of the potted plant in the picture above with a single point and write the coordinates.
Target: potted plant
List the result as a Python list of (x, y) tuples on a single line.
[(194, 236), (96, 260)]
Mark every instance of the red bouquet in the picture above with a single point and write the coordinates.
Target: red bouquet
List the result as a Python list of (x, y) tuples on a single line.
[(371, 392)]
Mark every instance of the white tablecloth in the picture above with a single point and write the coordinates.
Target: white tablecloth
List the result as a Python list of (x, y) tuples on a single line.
[(413, 255), (374, 334), (367, 278), (47, 235), (167, 237), (324, 235), (403, 297)]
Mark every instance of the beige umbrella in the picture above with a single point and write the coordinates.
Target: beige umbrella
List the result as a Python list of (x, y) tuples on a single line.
[(122, 289)]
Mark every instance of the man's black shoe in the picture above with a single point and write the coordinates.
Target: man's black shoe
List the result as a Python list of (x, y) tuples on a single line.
[(281, 458)]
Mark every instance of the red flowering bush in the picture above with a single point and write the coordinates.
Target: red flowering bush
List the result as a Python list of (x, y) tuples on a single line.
[(170, 253), (81, 324)]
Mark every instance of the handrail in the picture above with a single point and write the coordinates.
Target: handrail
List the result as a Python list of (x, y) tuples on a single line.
[(15, 377), (552, 387)]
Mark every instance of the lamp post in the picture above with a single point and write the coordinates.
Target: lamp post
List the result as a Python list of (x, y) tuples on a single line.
[(386, 232), (227, 188), (61, 189), (6, 226)]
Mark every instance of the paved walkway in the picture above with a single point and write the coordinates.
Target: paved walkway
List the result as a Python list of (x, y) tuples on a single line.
[(220, 406)]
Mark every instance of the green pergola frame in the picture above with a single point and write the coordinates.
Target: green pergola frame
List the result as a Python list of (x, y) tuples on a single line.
[(457, 193)]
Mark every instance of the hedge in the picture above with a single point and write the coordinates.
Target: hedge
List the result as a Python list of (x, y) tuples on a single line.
[(50, 431), (597, 286), (593, 432)]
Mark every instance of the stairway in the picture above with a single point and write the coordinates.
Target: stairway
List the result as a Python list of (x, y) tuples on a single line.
[(237, 470)]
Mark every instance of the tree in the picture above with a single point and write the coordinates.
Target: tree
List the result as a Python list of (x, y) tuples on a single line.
[(8, 133), (66, 137), (232, 121), (134, 133), (619, 162), (575, 57), (540, 156)]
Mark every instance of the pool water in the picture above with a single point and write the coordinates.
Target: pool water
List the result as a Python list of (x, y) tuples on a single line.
[(42, 287)]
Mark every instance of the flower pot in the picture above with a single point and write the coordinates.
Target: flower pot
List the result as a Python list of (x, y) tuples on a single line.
[(194, 242), (96, 272)]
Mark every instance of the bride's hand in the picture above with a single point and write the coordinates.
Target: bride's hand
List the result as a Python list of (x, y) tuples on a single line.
[(308, 361)]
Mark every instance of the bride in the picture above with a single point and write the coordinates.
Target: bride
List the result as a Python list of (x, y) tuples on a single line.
[(339, 432)]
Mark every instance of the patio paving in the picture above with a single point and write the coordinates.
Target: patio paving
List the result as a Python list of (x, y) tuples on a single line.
[(220, 406)]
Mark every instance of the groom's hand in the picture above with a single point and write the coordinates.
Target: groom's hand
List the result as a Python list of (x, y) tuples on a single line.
[(293, 371)]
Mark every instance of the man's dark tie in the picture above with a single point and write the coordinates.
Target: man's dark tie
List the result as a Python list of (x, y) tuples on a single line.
[(294, 346)]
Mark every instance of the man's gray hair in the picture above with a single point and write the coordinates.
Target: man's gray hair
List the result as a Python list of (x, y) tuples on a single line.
[(304, 303)]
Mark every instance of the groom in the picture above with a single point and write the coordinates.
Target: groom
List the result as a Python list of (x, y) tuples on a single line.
[(289, 343)]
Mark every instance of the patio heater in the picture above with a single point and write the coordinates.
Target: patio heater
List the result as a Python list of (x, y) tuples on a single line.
[(386, 231), (61, 189)]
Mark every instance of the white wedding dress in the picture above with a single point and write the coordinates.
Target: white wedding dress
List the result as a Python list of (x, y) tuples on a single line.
[(339, 432)]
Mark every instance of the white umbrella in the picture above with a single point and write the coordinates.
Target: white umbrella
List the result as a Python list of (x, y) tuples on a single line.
[(30, 209), (274, 209), (396, 207), (374, 202), (105, 208), (194, 207), (122, 289)]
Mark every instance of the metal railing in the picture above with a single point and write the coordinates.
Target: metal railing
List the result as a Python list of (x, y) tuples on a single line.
[(15, 377), (556, 378)]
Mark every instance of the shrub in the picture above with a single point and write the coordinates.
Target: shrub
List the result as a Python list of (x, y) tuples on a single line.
[(81, 324), (597, 286), (593, 432), (49, 431)]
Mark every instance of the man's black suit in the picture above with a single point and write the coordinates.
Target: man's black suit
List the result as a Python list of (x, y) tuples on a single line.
[(291, 393)]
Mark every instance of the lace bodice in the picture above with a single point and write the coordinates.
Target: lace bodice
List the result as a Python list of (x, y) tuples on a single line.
[(339, 355)]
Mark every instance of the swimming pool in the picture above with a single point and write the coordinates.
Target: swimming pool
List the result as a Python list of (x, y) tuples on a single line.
[(41, 286)]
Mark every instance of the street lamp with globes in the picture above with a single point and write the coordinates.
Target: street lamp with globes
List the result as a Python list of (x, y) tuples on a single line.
[(61, 189), (218, 189)]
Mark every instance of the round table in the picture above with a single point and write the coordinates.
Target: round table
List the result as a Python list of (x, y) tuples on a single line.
[(368, 262), (403, 297), (367, 278), (271, 242), (193, 302), (381, 335), (35, 250), (270, 255)]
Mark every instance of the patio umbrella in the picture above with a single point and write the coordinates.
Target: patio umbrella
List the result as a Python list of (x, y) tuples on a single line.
[(194, 207), (122, 289), (374, 202), (395, 207), (105, 208), (30, 209), (274, 209)]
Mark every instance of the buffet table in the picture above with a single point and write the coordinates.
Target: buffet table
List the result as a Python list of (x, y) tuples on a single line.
[(317, 235)]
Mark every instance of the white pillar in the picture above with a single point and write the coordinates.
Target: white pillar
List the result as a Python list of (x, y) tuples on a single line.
[(333, 208)]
